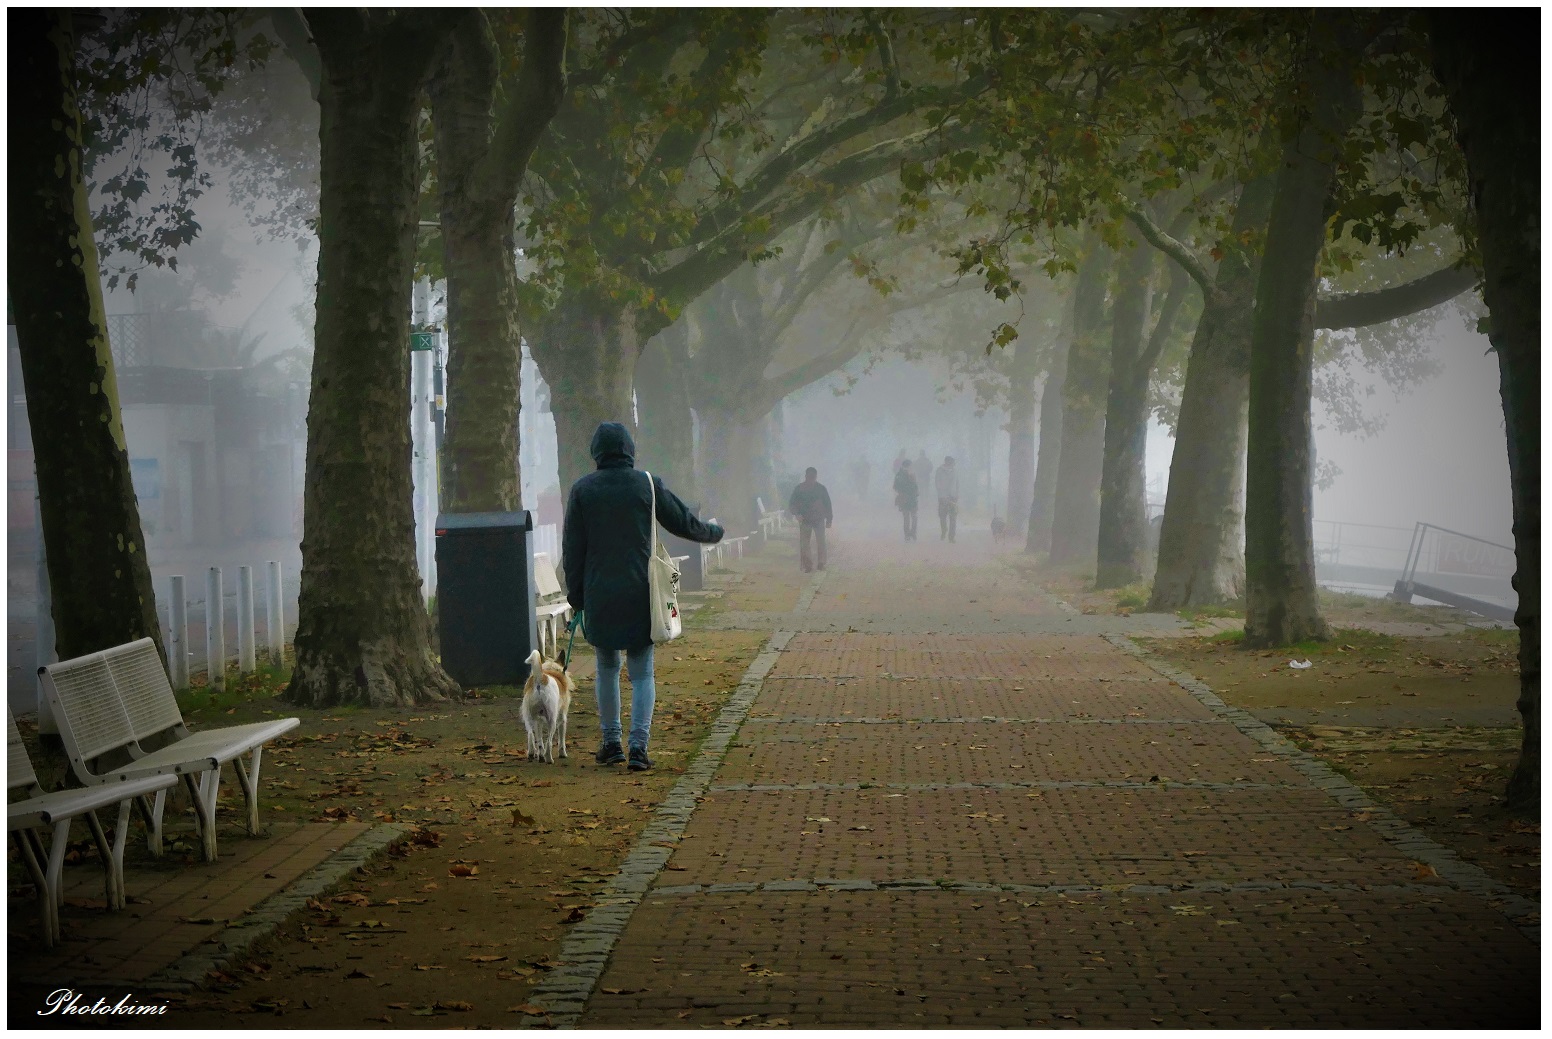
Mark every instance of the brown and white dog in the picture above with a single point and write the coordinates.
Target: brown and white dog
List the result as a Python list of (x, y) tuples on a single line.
[(546, 703)]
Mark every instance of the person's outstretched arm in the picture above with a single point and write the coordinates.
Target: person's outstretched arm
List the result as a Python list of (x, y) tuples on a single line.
[(677, 519), (829, 512), (573, 552)]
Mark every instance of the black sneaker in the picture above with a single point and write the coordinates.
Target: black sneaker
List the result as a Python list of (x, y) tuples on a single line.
[(639, 762), (610, 754)]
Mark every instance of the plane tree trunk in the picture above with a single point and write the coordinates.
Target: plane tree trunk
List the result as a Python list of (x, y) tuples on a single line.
[(98, 574), (667, 441), (1201, 558), (587, 350), (1281, 605), (1495, 98), (482, 152), (1037, 538), (362, 634), (1023, 395), (1075, 514)]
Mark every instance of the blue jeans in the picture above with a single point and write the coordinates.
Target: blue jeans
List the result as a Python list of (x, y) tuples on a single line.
[(643, 693)]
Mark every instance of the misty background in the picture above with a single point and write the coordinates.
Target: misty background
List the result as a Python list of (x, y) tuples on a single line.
[(213, 361)]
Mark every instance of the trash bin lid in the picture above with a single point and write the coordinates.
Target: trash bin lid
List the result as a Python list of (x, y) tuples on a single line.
[(484, 521)]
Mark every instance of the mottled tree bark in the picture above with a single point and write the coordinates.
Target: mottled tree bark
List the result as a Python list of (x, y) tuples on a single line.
[(666, 444), (1123, 515), (1023, 394), (98, 574), (1281, 605), (1042, 506), (362, 631), (483, 149), (1201, 558), (587, 351), (1075, 519), (1489, 63)]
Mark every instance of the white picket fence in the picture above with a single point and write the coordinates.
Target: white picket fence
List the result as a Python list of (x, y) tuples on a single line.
[(221, 613)]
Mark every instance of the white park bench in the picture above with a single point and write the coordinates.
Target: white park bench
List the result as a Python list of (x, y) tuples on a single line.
[(27, 818), (770, 519), (119, 720), (552, 611)]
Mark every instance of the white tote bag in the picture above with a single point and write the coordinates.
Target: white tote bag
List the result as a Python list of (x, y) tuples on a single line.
[(662, 582)]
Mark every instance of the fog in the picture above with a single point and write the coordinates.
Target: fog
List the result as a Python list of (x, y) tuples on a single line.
[(213, 360)]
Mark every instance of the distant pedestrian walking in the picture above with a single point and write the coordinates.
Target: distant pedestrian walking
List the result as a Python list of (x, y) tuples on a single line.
[(604, 549), (861, 469), (810, 503), (948, 499), (922, 470), (905, 497)]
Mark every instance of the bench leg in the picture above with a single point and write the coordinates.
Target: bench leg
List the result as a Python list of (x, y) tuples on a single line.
[(29, 847), (105, 852), (151, 812), (120, 840), (204, 794), (58, 844), (248, 779)]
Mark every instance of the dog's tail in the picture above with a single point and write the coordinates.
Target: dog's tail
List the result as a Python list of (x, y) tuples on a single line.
[(536, 665)]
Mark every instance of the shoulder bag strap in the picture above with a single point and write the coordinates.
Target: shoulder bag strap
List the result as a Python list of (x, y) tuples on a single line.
[(652, 519)]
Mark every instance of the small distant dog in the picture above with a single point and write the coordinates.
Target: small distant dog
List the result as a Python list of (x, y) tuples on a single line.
[(999, 529), (546, 702)]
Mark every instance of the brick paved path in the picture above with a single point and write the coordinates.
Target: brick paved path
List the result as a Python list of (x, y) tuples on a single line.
[(1023, 828)]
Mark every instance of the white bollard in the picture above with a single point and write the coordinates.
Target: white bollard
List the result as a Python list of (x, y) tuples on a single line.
[(245, 661), (276, 614), (215, 632), (178, 637)]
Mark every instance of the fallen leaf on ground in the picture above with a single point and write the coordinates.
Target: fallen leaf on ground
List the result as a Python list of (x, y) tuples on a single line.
[(1425, 871), (527, 1008)]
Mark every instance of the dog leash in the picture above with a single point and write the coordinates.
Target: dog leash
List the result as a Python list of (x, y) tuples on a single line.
[(576, 622)]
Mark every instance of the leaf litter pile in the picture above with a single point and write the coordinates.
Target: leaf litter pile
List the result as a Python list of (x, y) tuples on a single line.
[(459, 919)]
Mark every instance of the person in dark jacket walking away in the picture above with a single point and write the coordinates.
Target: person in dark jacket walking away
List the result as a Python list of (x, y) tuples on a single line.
[(905, 497), (604, 548), (811, 505)]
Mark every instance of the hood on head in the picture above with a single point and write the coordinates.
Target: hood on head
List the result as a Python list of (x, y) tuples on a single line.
[(612, 446)]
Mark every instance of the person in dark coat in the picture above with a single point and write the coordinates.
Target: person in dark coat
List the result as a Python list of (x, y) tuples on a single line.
[(605, 544), (906, 497), (811, 505)]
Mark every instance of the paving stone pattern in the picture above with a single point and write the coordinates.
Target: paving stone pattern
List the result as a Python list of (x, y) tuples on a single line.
[(1025, 830), (184, 918)]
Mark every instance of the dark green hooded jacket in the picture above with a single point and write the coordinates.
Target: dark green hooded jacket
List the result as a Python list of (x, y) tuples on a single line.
[(607, 538)]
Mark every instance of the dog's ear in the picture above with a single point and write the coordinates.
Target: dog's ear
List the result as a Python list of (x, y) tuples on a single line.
[(563, 659)]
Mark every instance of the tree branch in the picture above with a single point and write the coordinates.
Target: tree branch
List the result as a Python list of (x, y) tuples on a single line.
[(774, 390), (297, 40), (1172, 247), (527, 109), (716, 258), (781, 166), (886, 57), (1179, 285), (1356, 309)]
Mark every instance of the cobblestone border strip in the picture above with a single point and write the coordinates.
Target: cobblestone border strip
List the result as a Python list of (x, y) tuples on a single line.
[(584, 954), (968, 719), (1523, 912), (807, 598), (972, 887), (188, 971)]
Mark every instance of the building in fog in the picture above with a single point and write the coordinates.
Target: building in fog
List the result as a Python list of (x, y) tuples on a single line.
[(216, 453)]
